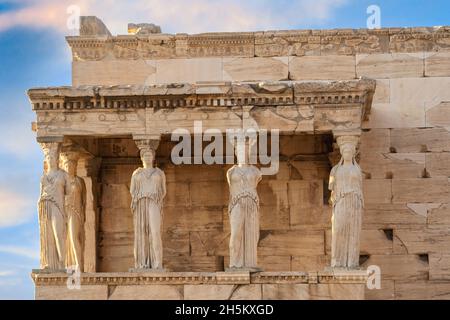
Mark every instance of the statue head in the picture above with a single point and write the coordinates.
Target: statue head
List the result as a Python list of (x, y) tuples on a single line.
[(70, 162), (51, 155), (347, 146), (243, 149), (147, 157), (147, 149), (348, 152)]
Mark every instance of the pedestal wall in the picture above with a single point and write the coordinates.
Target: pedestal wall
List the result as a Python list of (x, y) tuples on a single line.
[(204, 286)]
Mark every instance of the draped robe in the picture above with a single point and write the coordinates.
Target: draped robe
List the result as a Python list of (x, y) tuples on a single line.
[(148, 188), (243, 211), (52, 220), (348, 202)]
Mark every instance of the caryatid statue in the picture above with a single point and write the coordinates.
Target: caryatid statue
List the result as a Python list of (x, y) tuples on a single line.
[(75, 206), (243, 209), (148, 189), (52, 217), (347, 200)]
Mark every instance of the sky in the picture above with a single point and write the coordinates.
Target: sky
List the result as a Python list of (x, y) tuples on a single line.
[(33, 53)]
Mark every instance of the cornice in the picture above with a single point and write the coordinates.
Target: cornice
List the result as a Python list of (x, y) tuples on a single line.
[(180, 278), (261, 44), (311, 93)]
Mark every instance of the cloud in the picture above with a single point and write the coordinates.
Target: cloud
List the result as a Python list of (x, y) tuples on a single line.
[(32, 253), (30, 13), (10, 282), (175, 15), (18, 138), (15, 208), (7, 273)]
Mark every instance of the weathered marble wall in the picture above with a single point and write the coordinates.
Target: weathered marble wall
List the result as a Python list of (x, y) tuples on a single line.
[(405, 153), (405, 157), (295, 215)]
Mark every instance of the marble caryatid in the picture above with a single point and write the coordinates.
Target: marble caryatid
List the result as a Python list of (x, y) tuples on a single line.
[(348, 202), (148, 189), (75, 205), (243, 209), (52, 217)]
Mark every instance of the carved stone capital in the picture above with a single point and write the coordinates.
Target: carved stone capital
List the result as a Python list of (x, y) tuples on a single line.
[(352, 132), (147, 142), (50, 139), (343, 140), (70, 155), (346, 137), (50, 149)]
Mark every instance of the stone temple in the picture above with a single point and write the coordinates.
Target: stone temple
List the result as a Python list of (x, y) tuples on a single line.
[(361, 120)]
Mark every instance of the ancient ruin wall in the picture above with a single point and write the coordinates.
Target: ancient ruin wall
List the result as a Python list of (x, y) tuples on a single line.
[(405, 149)]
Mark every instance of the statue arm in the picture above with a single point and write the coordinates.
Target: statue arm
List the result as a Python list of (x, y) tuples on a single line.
[(163, 183), (66, 182), (332, 186), (259, 176), (228, 175), (333, 197), (133, 188), (332, 182), (83, 197), (41, 188), (361, 187), (133, 185)]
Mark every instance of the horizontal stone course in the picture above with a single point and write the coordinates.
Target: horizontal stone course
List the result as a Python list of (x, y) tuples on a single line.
[(388, 66), (422, 290), (322, 68), (406, 267), (261, 44), (433, 190), (205, 286), (422, 240)]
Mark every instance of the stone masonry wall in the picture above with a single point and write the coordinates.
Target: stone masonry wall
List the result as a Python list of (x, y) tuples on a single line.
[(295, 215), (405, 155)]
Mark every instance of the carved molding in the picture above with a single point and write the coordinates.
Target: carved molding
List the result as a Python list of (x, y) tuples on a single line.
[(123, 98), (171, 278), (147, 142), (313, 107), (261, 44)]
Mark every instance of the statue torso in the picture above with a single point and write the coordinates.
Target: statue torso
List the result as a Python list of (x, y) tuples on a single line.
[(74, 195), (148, 182), (53, 187), (244, 180), (348, 179)]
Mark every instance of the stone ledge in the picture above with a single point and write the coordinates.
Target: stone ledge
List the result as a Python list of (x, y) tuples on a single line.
[(328, 285), (261, 44), (178, 278), (225, 94), (292, 107)]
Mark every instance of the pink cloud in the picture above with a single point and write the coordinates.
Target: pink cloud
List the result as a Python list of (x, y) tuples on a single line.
[(35, 14), (175, 15), (15, 208)]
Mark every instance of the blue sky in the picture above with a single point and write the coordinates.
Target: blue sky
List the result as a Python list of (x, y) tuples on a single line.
[(33, 53)]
